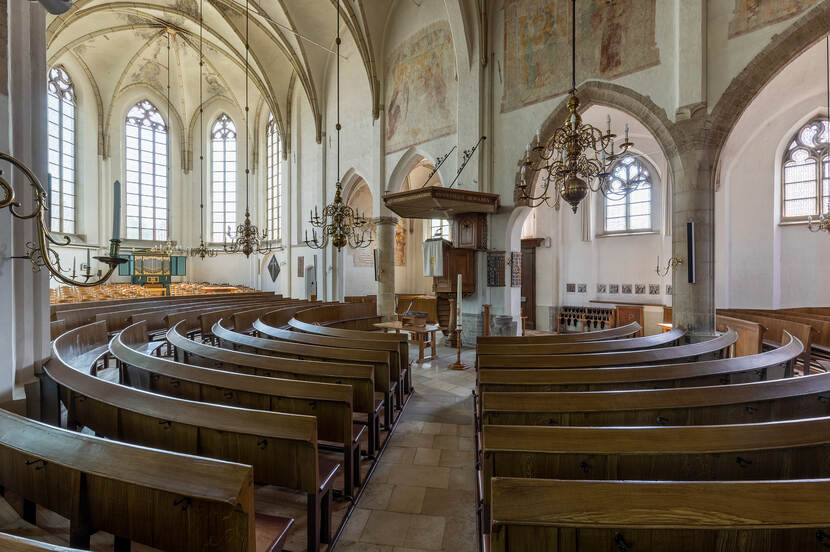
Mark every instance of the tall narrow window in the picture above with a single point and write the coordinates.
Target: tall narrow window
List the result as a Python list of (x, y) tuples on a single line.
[(805, 165), (223, 176), (146, 156), (61, 121), (273, 197), (440, 228), (632, 212)]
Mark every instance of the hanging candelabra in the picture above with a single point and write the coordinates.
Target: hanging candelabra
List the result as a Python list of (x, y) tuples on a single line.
[(202, 251), (339, 224), (577, 158), (248, 238), (40, 252)]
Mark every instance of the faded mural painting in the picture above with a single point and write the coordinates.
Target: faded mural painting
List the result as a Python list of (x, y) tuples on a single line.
[(421, 88), (751, 15), (614, 39)]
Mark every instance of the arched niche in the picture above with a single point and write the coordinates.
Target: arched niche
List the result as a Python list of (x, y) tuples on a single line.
[(761, 261)]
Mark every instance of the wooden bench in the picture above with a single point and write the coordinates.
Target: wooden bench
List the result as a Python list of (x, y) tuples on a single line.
[(775, 331), (385, 380), (782, 399), (360, 377), (165, 500), (366, 340), (710, 349), (791, 449), (331, 404), (11, 543), (659, 516), (282, 448), (598, 335), (635, 343), (777, 363)]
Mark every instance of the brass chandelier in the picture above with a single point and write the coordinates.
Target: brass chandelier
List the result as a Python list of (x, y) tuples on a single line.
[(202, 251), (339, 224), (577, 158), (248, 238)]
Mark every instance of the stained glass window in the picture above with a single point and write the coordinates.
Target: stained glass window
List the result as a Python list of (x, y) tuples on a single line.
[(629, 212), (805, 165), (273, 197), (60, 101), (147, 159), (223, 177)]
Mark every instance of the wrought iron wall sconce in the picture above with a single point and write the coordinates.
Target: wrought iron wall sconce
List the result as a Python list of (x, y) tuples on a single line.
[(670, 265), (41, 253)]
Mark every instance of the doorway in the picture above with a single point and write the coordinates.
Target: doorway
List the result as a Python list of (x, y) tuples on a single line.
[(528, 299)]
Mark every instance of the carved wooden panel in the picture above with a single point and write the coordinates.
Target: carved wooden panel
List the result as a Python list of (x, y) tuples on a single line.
[(626, 314), (470, 231)]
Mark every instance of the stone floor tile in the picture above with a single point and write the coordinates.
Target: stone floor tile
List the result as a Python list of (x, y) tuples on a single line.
[(427, 456), (448, 442), (376, 495), (450, 503), (426, 532), (354, 527), (456, 459), (386, 528), (398, 455), (407, 499), (462, 479)]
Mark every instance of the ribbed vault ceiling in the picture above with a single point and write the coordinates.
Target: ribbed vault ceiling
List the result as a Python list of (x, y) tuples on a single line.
[(123, 44)]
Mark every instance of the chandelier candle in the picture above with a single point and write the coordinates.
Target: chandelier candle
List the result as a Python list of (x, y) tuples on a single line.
[(116, 210)]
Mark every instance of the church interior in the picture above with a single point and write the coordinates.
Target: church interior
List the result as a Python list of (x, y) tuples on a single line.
[(415, 275)]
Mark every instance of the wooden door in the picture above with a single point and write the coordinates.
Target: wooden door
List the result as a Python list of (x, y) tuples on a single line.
[(529, 280), (626, 314)]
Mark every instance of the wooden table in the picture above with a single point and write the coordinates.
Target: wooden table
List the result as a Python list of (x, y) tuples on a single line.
[(424, 336), (219, 289)]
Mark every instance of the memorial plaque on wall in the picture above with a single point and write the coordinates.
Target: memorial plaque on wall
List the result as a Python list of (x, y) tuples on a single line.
[(515, 269), (495, 269)]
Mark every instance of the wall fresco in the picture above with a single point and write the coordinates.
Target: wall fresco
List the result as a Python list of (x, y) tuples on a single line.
[(613, 39), (751, 15)]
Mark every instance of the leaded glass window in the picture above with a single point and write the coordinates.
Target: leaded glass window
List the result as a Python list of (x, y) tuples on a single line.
[(440, 228), (60, 101), (632, 211), (223, 177), (273, 192), (805, 166), (147, 162)]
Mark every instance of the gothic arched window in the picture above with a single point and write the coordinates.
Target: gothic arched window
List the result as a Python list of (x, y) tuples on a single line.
[(147, 162), (223, 177), (806, 165), (61, 104), (631, 212), (273, 191)]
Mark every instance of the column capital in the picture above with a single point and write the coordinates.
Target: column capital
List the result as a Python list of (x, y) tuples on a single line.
[(385, 220)]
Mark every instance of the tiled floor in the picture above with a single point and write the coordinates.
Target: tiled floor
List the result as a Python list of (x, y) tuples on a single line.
[(421, 495)]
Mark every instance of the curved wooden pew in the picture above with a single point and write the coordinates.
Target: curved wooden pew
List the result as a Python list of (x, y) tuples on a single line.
[(348, 316), (792, 449), (11, 543), (381, 360), (361, 340), (330, 403), (166, 500), (361, 377), (710, 349), (665, 339), (577, 337), (659, 516), (774, 364), (783, 399), (80, 314), (282, 448)]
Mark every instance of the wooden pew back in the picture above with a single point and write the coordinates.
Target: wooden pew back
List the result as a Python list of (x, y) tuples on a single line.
[(598, 335), (587, 516), (161, 499), (774, 364)]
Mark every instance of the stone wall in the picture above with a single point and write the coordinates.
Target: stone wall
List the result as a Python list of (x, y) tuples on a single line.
[(4, 47)]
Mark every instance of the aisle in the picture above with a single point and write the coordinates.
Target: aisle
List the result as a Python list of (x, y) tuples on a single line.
[(421, 496)]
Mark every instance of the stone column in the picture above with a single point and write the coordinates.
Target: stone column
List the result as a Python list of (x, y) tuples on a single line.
[(693, 200), (385, 237)]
